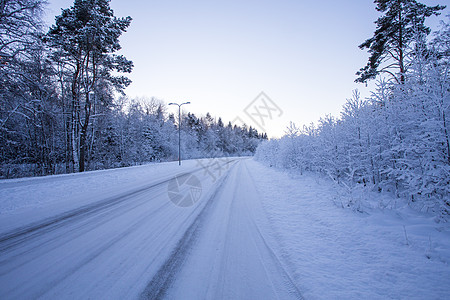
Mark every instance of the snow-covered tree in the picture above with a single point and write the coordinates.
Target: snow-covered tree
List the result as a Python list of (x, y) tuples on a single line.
[(401, 21), (85, 38), (59, 107), (28, 124), (396, 141)]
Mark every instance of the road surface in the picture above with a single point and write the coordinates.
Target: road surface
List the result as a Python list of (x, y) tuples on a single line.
[(192, 233)]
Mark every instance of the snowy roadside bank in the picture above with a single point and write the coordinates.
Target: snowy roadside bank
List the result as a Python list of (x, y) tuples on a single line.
[(341, 254)]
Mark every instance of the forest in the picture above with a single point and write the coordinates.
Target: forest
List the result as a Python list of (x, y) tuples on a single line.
[(397, 140), (62, 103)]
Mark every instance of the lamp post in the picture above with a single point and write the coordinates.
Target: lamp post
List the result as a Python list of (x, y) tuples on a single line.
[(179, 129)]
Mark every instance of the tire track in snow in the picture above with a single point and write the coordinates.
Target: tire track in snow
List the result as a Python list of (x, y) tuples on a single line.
[(30, 246), (25, 233), (233, 257), (92, 256), (76, 230), (242, 231), (166, 274), (287, 278)]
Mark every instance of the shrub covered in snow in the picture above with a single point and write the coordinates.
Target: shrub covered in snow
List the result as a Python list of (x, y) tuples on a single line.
[(398, 140)]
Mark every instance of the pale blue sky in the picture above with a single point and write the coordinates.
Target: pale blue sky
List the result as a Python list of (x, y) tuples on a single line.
[(221, 54)]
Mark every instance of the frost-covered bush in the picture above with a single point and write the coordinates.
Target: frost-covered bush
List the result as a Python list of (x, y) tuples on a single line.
[(398, 140), (267, 152)]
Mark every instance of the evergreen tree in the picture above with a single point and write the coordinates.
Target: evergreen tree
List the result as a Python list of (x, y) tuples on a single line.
[(396, 28), (85, 37)]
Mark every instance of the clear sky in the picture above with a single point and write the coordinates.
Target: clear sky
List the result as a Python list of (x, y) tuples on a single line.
[(220, 55)]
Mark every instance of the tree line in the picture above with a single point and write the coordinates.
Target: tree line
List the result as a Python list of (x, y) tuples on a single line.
[(397, 140), (62, 102)]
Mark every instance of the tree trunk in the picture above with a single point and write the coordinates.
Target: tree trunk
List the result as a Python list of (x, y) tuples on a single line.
[(84, 129), (75, 117), (446, 135), (400, 47)]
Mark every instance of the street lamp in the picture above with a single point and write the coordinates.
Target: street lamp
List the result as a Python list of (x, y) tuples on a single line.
[(179, 129)]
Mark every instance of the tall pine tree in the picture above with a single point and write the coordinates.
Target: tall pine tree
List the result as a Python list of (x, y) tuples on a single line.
[(85, 37), (401, 21)]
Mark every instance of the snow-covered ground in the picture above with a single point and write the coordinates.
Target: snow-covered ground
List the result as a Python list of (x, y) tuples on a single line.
[(248, 232), (337, 253)]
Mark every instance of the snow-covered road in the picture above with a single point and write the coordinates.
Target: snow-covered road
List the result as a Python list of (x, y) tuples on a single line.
[(137, 243), (212, 229)]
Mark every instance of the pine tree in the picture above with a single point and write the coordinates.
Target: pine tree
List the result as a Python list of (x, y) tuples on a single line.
[(85, 37), (396, 28)]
